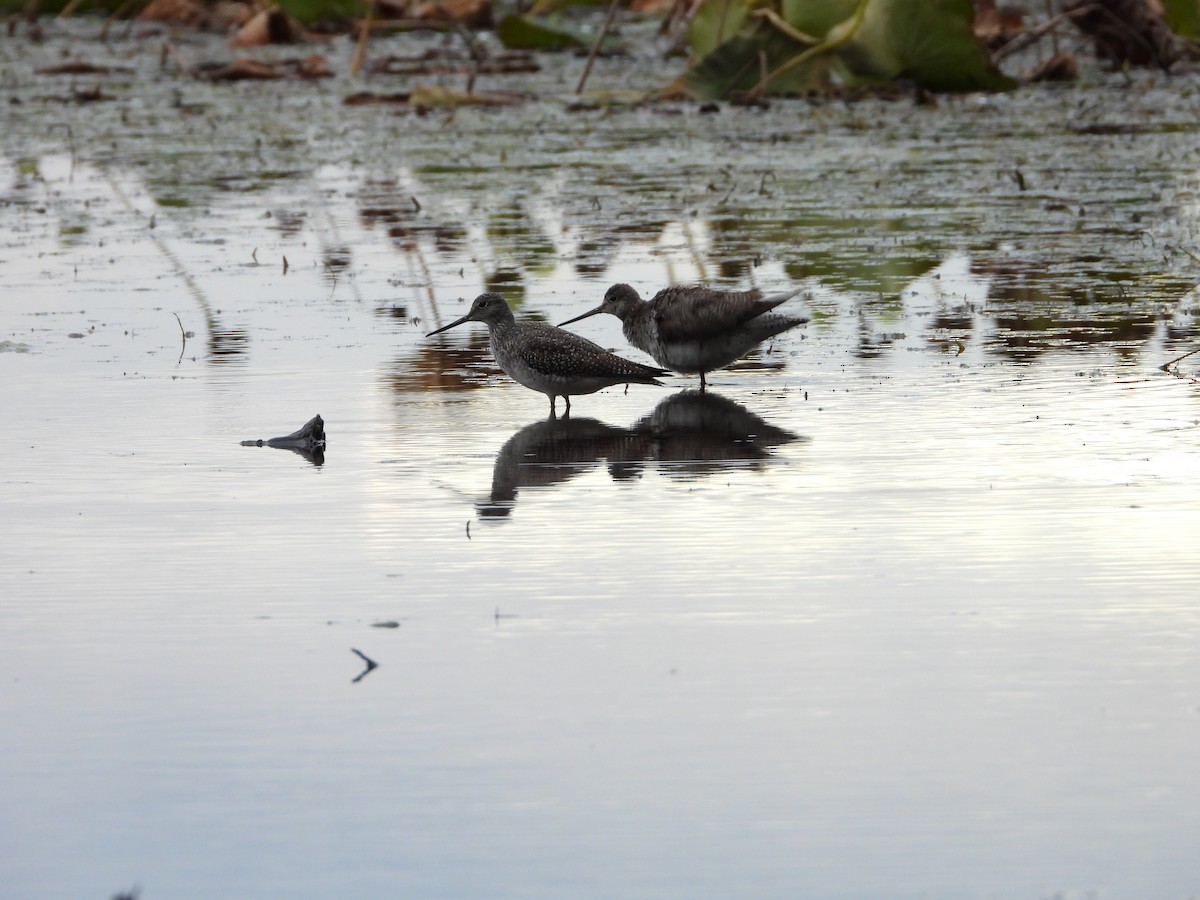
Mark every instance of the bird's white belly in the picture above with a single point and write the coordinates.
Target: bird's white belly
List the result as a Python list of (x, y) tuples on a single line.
[(544, 383), (699, 356)]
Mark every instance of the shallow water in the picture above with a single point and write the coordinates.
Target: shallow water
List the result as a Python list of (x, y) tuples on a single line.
[(906, 607)]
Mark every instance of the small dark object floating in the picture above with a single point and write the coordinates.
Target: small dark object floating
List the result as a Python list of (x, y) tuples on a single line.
[(308, 441)]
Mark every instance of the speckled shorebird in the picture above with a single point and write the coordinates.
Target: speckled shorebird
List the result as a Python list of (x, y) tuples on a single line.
[(690, 328), (549, 360)]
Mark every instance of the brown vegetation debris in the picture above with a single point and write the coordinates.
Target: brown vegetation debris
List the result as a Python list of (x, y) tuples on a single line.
[(80, 68), (440, 62), (368, 98), (268, 26), (1126, 31), (748, 100), (653, 7), (994, 26), (472, 13), (225, 15), (313, 66), (1062, 66), (429, 97), (238, 70)]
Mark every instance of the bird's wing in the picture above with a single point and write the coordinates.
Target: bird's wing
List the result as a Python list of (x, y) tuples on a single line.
[(553, 351), (684, 312)]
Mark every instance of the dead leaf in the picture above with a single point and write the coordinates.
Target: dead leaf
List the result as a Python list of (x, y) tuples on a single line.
[(243, 69), (1060, 67), (472, 13), (238, 70), (996, 27), (222, 16), (431, 96), (80, 68), (445, 63), (269, 26), (367, 98)]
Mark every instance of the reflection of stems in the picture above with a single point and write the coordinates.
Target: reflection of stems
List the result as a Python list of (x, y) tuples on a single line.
[(193, 288), (413, 251), (70, 143), (694, 251), (825, 46), (332, 278), (326, 218), (608, 20), (183, 335)]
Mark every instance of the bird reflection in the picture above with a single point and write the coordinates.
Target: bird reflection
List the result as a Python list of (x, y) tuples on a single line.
[(688, 435), (698, 434)]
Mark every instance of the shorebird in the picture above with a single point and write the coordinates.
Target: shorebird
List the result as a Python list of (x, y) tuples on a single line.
[(690, 328), (549, 360)]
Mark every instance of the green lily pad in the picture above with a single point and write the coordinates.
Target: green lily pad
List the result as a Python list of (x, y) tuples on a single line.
[(1183, 16), (526, 32), (740, 63), (928, 41)]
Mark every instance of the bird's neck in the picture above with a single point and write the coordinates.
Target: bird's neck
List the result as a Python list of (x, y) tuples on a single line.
[(502, 325), (632, 312)]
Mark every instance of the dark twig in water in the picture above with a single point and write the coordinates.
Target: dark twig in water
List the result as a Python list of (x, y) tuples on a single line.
[(182, 349), (371, 664), (1035, 34), (587, 69), (475, 50), (1166, 367), (1194, 257)]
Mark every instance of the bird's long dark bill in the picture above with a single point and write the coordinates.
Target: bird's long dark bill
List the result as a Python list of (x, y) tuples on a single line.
[(465, 318), (590, 312)]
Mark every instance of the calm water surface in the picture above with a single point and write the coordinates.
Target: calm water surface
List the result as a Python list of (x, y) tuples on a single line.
[(905, 607)]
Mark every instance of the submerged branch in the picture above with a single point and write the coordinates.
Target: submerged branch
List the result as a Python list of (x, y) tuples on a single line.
[(1166, 367)]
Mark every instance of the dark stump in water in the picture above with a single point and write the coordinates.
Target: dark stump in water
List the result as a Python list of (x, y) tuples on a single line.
[(308, 441)]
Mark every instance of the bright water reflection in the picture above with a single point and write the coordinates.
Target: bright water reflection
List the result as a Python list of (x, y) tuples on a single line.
[(904, 607)]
